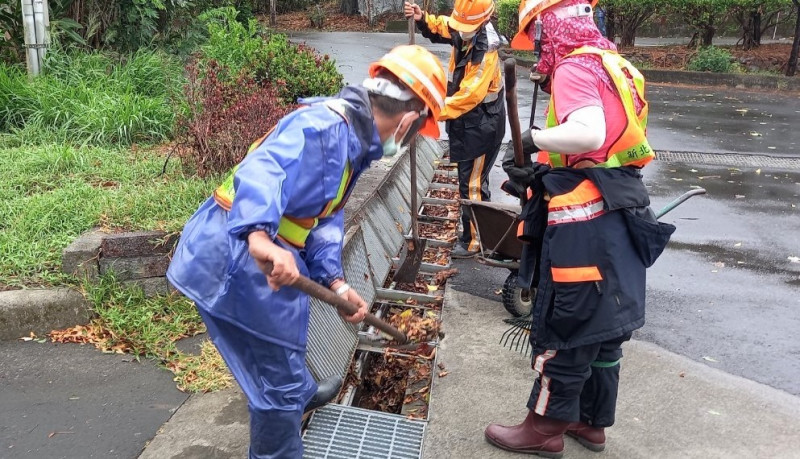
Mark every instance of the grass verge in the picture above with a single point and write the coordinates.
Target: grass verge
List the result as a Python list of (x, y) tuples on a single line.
[(53, 193), (128, 322)]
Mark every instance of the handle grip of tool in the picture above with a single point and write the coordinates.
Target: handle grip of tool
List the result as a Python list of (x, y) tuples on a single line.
[(311, 288), (411, 29), (510, 70)]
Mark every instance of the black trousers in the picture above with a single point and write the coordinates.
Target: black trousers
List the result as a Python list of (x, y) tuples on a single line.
[(473, 184), (579, 383)]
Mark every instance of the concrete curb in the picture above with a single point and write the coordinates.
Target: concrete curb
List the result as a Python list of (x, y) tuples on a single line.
[(729, 80), (40, 311)]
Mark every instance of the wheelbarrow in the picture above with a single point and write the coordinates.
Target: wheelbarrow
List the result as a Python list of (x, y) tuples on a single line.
[(496, 230)]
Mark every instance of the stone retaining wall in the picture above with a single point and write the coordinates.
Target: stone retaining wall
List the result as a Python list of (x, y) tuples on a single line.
[(139, 258)]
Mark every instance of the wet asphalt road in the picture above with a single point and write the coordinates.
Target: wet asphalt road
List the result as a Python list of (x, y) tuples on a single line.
[(726, 292)]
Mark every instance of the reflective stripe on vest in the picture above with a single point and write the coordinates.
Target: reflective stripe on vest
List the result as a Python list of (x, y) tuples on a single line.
[(631, 148), (293, 230), (583, 203)]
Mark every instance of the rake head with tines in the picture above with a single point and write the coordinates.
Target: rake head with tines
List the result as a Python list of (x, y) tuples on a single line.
[(518, 337)]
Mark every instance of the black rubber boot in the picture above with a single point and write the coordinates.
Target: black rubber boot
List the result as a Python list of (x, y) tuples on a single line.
[(327, 390)]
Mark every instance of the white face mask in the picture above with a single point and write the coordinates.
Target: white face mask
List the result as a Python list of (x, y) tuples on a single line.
[(467, 36)]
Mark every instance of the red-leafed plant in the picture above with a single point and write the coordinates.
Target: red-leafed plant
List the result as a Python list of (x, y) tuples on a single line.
[(224, 118)]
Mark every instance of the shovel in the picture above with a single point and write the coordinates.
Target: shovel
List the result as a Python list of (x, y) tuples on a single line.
[(311, 288), (414, 248)]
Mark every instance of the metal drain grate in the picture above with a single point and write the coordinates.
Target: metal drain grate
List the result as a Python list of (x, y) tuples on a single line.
[(743, 160), (344, 432)]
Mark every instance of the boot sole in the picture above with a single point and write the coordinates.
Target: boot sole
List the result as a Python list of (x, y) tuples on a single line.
[(596, 447), (548, 454)]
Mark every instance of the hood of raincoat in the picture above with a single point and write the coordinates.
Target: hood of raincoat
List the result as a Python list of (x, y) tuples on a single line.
[(359, 116)]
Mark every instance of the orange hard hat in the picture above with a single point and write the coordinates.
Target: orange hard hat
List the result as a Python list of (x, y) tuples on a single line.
[(422, 72), (469, 15), (529, 10)]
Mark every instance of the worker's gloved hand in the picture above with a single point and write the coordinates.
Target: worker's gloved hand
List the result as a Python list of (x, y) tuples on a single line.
[(528, 147)]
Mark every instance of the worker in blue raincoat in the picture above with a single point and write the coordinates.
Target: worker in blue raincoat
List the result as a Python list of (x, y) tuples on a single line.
[(282, 205)]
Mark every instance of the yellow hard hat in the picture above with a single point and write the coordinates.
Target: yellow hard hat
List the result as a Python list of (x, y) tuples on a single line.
[(422, 72)]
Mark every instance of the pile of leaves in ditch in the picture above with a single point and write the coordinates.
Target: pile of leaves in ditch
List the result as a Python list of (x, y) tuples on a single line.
[(437, 256), (423, 285), (385, 385), (419, 328), (443, 193), (440, 231)]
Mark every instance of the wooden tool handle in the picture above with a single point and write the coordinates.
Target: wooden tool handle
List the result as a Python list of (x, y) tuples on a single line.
[(311, 288), (510, 70)]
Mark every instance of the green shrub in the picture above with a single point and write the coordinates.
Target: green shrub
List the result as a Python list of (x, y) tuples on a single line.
[(711, 59), (508, 17), (295, 70), (92, 98)]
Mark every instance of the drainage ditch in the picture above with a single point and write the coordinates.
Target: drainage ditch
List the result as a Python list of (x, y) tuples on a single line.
[(383, 409)]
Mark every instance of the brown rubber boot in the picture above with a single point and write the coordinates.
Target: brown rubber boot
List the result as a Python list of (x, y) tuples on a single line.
[(593, 438), (536, 435)]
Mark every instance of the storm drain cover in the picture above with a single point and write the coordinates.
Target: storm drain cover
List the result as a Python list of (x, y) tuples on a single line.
[(345, 432)]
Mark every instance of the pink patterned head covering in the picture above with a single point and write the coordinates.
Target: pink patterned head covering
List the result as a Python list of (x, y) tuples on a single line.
[(561, 36)]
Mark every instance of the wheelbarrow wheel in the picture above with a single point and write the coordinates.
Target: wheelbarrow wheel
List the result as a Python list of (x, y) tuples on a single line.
[(516, 300)]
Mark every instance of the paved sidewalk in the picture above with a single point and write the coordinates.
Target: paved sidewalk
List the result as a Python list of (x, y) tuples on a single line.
[(669, 406)]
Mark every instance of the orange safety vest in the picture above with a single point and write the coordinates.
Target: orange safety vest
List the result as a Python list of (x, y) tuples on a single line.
[(631, 148), (293, 230)]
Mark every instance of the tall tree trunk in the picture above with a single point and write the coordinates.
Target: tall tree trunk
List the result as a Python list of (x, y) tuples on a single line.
[(349, 7), (757, 28), (611, 24), (791, 68), (273, 21), (707, 34), (628, 35)]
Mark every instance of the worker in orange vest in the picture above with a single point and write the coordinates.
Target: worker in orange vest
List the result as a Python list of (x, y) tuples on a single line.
[(588, 225), (474, 111)]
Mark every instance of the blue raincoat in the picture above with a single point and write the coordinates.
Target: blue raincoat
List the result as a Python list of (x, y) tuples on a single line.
[(261, 333)]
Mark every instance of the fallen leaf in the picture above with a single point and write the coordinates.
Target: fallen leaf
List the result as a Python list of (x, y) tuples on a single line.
[(442, 374), (440, 365), (719, 264), (710, 359), (498, 291), (682, 374), (432, 288), (755, 134)]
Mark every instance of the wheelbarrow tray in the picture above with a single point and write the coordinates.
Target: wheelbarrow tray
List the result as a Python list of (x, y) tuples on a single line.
[(496, 227)]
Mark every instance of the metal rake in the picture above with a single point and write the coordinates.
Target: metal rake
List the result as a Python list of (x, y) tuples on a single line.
[(517, 337)]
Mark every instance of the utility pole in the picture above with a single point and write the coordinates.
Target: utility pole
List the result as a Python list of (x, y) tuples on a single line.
[(36, 23)]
